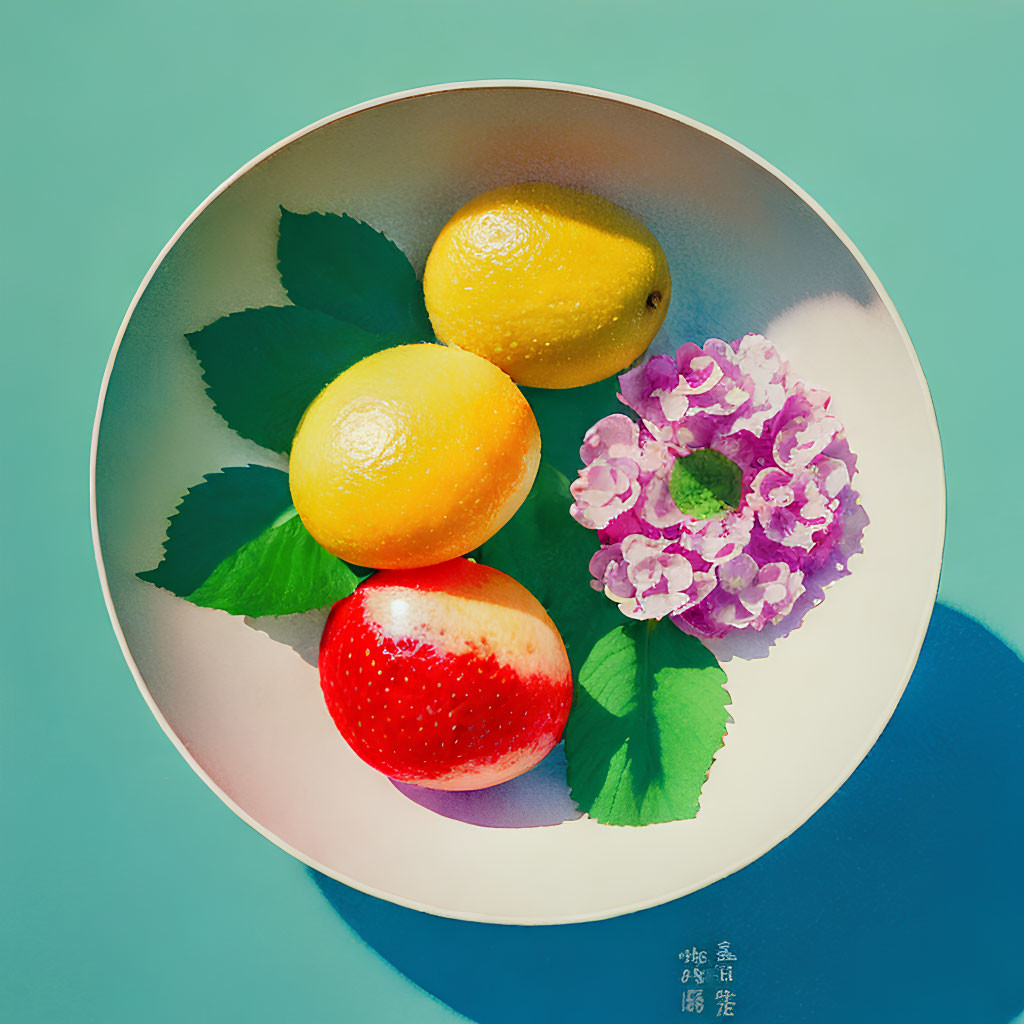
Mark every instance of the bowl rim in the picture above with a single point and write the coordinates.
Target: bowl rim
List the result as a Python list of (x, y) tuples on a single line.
[(469, 86)]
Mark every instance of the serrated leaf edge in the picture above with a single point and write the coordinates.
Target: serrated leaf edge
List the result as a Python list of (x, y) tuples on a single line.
[(665, 821), (207, 384), (343, 216), (285, 517), (146, 573), (707, 774)]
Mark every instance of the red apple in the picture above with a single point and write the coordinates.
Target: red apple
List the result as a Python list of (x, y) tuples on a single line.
[(451, 676)]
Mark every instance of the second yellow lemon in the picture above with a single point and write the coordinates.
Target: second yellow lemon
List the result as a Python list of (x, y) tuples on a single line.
[(414, 455), (557, 286)]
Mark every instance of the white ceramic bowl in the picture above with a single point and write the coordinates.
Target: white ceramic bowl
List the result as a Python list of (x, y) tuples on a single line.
[(748, 252)]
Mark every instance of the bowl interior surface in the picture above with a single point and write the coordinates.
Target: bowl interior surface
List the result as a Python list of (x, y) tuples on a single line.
[(747, 253)]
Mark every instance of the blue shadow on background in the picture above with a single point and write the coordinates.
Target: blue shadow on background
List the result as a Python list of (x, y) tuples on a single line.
[(900, 900)]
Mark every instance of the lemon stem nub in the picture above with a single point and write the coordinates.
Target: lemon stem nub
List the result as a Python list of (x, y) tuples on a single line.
[(654, 300)]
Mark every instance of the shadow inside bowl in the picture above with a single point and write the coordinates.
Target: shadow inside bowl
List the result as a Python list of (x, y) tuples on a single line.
[(300, 632), (539, 797)]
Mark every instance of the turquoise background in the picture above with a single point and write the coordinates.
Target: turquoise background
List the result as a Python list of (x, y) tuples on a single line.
[(131, 893)]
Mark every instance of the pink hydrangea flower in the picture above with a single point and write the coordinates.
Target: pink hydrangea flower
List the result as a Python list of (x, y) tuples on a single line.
[(648, 579), (797, 521)]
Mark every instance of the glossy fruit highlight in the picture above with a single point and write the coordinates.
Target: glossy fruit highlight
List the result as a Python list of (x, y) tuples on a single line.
[(557, 286), (414, 455), (450, 677)]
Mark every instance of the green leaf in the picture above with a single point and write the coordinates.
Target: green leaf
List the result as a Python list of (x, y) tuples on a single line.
[(281, 572), (263, 367), (547, 551), (705, 484), (236, 543), (564, 415), (344, 268), (647, 719), (214, 519)]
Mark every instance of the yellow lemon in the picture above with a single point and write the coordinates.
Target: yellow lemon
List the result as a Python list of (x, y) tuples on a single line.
[(412, 456), (556, 286)]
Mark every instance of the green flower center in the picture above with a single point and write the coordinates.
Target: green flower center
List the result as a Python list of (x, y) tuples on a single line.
[(705, 484)]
